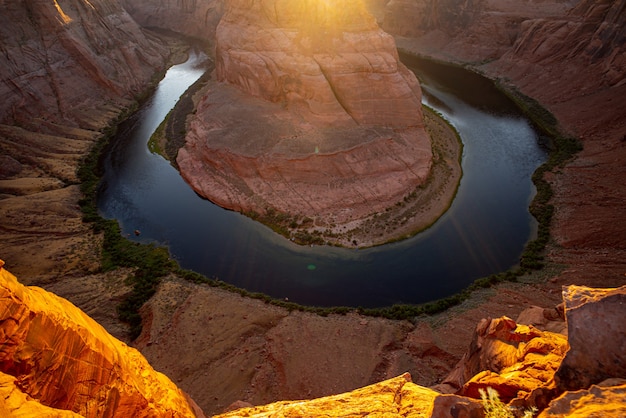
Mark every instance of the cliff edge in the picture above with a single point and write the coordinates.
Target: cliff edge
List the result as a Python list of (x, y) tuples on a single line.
[(53, 355)]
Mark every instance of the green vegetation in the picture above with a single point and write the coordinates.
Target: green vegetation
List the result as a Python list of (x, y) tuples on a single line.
[(495, 408), (150, 263), (562, 149)]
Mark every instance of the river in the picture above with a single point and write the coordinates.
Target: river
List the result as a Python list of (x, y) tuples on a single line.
[(483, 232)]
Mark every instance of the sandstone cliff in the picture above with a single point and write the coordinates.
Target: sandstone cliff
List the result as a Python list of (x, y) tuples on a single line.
[(71, 61), (327, 123), (67, 70), (54, 354), (193, 17)]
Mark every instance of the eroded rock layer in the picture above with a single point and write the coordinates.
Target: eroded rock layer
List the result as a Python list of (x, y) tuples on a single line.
[(192, 18), (329, 124), (62, 359), (63, 60), (67, 70)]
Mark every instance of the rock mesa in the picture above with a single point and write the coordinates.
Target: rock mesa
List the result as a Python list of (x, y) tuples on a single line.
[(313, 114)]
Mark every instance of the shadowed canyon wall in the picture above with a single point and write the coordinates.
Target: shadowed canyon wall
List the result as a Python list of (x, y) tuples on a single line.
[(68, 61), (196, 18), (67, 70)]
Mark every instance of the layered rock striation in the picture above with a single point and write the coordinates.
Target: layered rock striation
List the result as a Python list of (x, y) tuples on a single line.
[(193, 18), (67, 70), (314, 116), (54, 356), (63, 61)]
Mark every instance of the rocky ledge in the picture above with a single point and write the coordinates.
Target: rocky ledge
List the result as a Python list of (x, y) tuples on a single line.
[(56, 361), (313, 124)]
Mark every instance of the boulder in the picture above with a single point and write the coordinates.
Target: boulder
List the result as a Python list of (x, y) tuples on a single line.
[(606, 400), (544, 319), (53, 354), (453, 406), (596, 332), (518, 361)]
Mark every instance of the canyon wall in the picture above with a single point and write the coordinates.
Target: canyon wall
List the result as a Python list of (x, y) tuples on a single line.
[(71, 61), (195, 18), (67, 70)]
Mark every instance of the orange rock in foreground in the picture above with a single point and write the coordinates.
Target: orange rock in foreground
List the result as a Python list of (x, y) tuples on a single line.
[(397, 397), (60, 358)]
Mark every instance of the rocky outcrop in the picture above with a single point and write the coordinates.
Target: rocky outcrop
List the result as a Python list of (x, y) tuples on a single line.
[(193, 18), (596, 334), (518, 361), (397, 397), (328, 123), (53, 355), (606, 400), (56, 361)]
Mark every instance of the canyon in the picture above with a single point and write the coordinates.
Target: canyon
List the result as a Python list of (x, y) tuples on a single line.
[(568, 55)]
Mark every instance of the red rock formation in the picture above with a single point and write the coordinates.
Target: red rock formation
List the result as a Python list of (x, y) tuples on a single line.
[(343, 136), (606, 400), (596, 334), (63, 61), (64, 360), (330, 56), (518, 361), (193, 18)]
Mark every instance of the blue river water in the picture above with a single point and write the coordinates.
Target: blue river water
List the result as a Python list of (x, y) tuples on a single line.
[(483, 232)]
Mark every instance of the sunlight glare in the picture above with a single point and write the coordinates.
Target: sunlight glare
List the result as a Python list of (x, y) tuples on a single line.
[(64, 18)]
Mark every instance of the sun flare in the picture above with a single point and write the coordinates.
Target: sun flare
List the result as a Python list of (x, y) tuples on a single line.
[(327, 16)]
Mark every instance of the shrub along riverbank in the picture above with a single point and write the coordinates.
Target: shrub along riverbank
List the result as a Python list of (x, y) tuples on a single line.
[(152, 263)]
